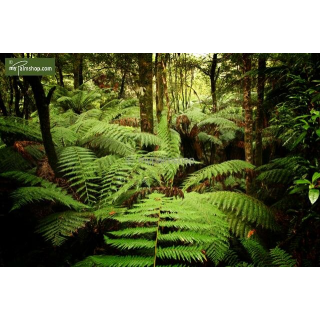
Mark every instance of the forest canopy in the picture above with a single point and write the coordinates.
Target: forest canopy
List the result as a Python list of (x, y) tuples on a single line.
[(164, 159)]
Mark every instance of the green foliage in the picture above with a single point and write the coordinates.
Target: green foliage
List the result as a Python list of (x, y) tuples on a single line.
[(280, 258), (116, 261), (160, 229), (57, 227), (79, 101), (79, 166), (242, 211), (20, 129), (217, 170), (26, 195), (40, 190), (12, 160)]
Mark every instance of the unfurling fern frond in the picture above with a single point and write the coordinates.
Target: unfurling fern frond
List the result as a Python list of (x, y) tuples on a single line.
[(242, 210), (58, 226), (280, 258), (79, 167), (216, 170)]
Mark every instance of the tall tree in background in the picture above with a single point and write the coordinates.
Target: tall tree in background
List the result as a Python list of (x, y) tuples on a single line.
[(259, 116), (145, 96), (159, 85), (213, 80), (77, 69), (246, 59)]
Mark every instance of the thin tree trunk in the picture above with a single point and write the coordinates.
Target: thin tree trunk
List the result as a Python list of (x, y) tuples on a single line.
[(259, 117), (42, 103), (145, 96), (2, 106), (123, 80), (248, 115), (77, 70), (159, 85), (59, 67), (213, 80), (11, 96), (16, 98)]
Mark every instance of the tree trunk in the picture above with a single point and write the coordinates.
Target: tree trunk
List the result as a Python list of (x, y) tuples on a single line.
[(248, 115), (42, 103), (77, 70), (59, 67), (16, 98), (145, 96), (159, 85), (259, 117), (213, 81), (121, 92), (2, 106)]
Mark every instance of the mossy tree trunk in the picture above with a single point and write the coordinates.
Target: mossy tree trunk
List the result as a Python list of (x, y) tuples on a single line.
[(145, 95)]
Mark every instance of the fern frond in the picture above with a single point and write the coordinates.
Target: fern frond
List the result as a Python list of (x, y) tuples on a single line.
[(64, 137), (242, 207), (183, 253), (280, 258), (258, 254), (216, 170), (170, 139), (204, 138), (26, 195), (12, 160), (116, 261), (58, 226), (221, 123), (79, 167), (21, 128)]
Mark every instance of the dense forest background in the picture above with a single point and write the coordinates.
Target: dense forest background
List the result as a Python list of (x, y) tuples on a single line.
[(166, 159)]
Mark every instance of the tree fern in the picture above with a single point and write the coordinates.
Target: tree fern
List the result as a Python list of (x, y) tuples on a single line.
[(80, 101)]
